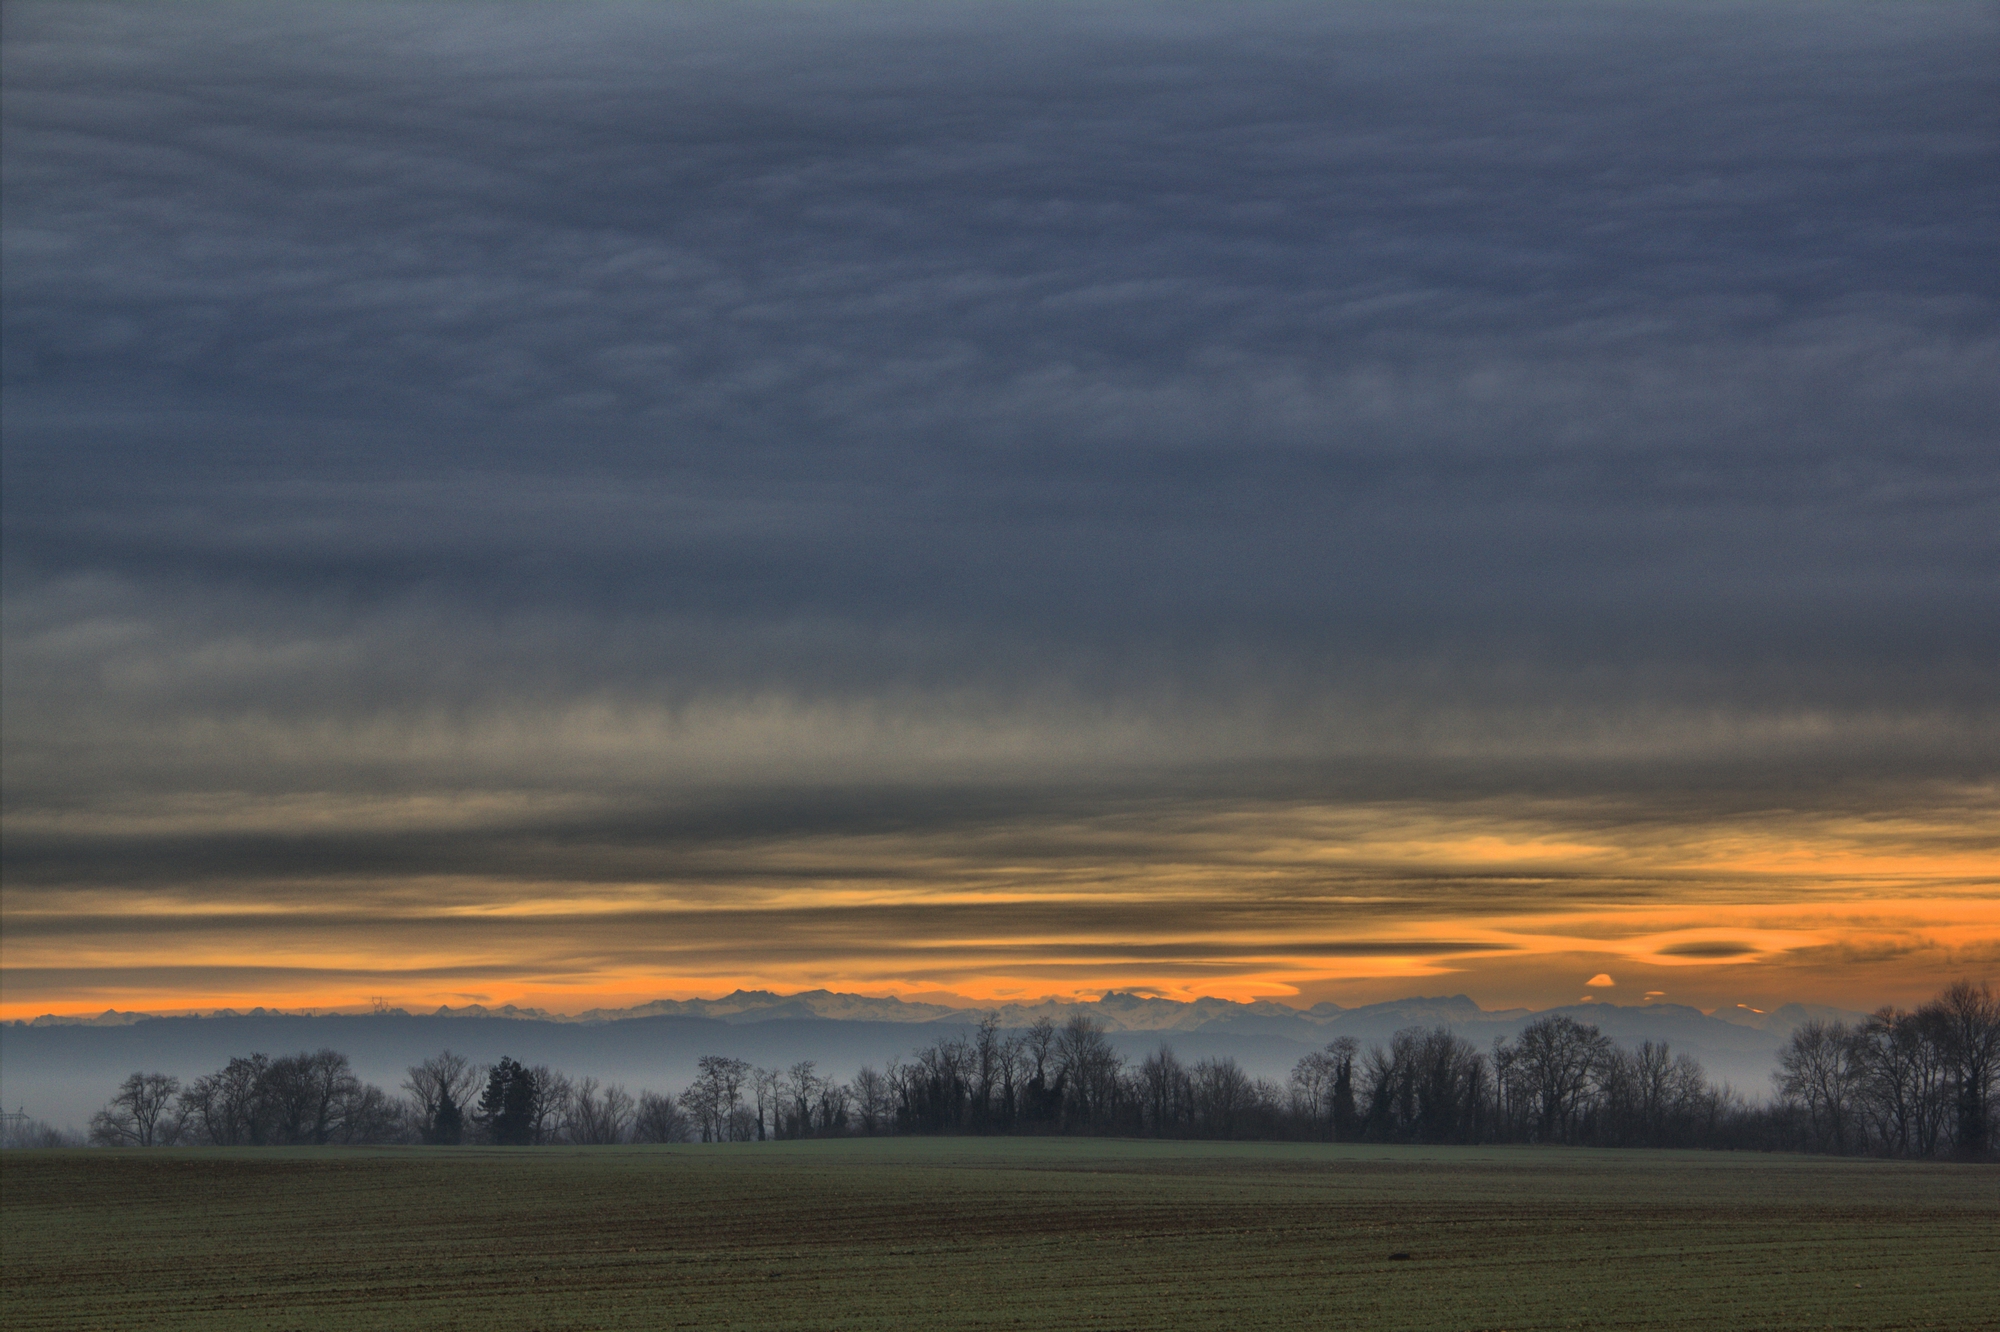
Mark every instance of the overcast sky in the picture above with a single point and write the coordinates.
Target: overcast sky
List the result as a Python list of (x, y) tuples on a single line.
[(570, 501)]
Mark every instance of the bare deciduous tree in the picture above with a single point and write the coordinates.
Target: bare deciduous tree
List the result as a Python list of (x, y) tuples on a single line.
[(371, 1115), (1008, 1061), (139, 1114), (1088, 1070), (1222, 1095), (307, 1094), (1312, 1089), (599, 1116), (554, 1093), (1905, 1087), (766, 1086), (874, 1100), (441, 1089), (987, 1044), (658, 1119), (1038, 1044), (25, 1133), (1556, 1059), (1166, 1095), (1902, 1083), (1967, 1019), (1820, 1069), (717, 1096), (230, 1107)]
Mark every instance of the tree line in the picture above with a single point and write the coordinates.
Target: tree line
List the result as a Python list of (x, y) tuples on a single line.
[(1904, 1083)]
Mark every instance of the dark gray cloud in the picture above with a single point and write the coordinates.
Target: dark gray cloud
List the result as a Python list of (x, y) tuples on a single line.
[(619, 426)]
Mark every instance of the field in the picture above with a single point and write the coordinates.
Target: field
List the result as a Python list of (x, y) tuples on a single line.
[(1015, 1233)]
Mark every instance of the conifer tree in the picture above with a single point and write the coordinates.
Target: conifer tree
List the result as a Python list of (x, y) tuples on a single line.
[(506, 1113)]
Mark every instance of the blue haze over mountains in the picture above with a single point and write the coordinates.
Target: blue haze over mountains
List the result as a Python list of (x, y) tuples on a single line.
[(63, 1069)]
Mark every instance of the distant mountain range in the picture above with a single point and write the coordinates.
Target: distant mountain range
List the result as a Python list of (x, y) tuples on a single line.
[(62, 1068), (1116, 1011)]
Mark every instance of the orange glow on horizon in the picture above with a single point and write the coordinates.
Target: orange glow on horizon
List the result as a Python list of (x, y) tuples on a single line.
[(1511, 903)]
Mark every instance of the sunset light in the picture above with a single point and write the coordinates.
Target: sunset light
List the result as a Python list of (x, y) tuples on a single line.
[(584, 543), (942, 665)]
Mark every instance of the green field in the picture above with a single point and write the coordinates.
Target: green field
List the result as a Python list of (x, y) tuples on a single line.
[(982, 1233)]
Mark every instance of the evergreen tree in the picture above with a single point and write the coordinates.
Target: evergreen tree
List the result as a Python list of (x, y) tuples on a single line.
[(448, 1128), (507, 1109), (1346, 1118)]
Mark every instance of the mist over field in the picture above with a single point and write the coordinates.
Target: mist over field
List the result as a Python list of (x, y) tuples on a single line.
[(65, 1073)]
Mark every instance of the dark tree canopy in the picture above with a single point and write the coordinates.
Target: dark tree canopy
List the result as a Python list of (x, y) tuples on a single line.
[(1916, 1083), (506, 1114)]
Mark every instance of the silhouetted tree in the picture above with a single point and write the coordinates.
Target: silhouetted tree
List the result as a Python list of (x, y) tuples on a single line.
[(231, 1106), (874, 1101), (767, 1092), (801, 1091), (554, 1094), (1087, 1074), (600, 1116), (307, 1094), (988, 1046), (1222, 1096), (1966, 1023), (1902, 1083), (1906, 1090), (1312, 1092), (1165, 1094), (370, 1115), (717, 1096), (23, 1133), (658, 1119), (1820, 1070), (935, 1088), (1041, 1098), (138, 1115), (1346, 1118), (830, 1104), (1009, 1060), (1651, 1096), (1555, 1062), (307, 1099), (506, 1114), (440, 1088)]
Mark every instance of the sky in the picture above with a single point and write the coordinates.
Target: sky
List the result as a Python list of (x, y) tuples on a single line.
[(577, 504)]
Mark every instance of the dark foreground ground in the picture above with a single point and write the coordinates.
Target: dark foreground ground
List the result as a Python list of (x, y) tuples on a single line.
[(1009, 1233)]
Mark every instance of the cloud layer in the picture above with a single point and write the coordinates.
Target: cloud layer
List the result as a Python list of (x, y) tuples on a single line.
[(693, 460)]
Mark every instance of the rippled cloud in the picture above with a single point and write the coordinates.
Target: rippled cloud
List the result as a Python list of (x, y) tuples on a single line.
[(1281, 500)]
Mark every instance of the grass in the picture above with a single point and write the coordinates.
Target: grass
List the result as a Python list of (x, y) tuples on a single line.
[(1012, 1233)]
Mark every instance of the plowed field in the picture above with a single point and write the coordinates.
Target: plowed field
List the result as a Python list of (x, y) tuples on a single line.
[(993, 1234)]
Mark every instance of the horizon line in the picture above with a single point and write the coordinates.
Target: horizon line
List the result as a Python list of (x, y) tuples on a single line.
[(936, 999)]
